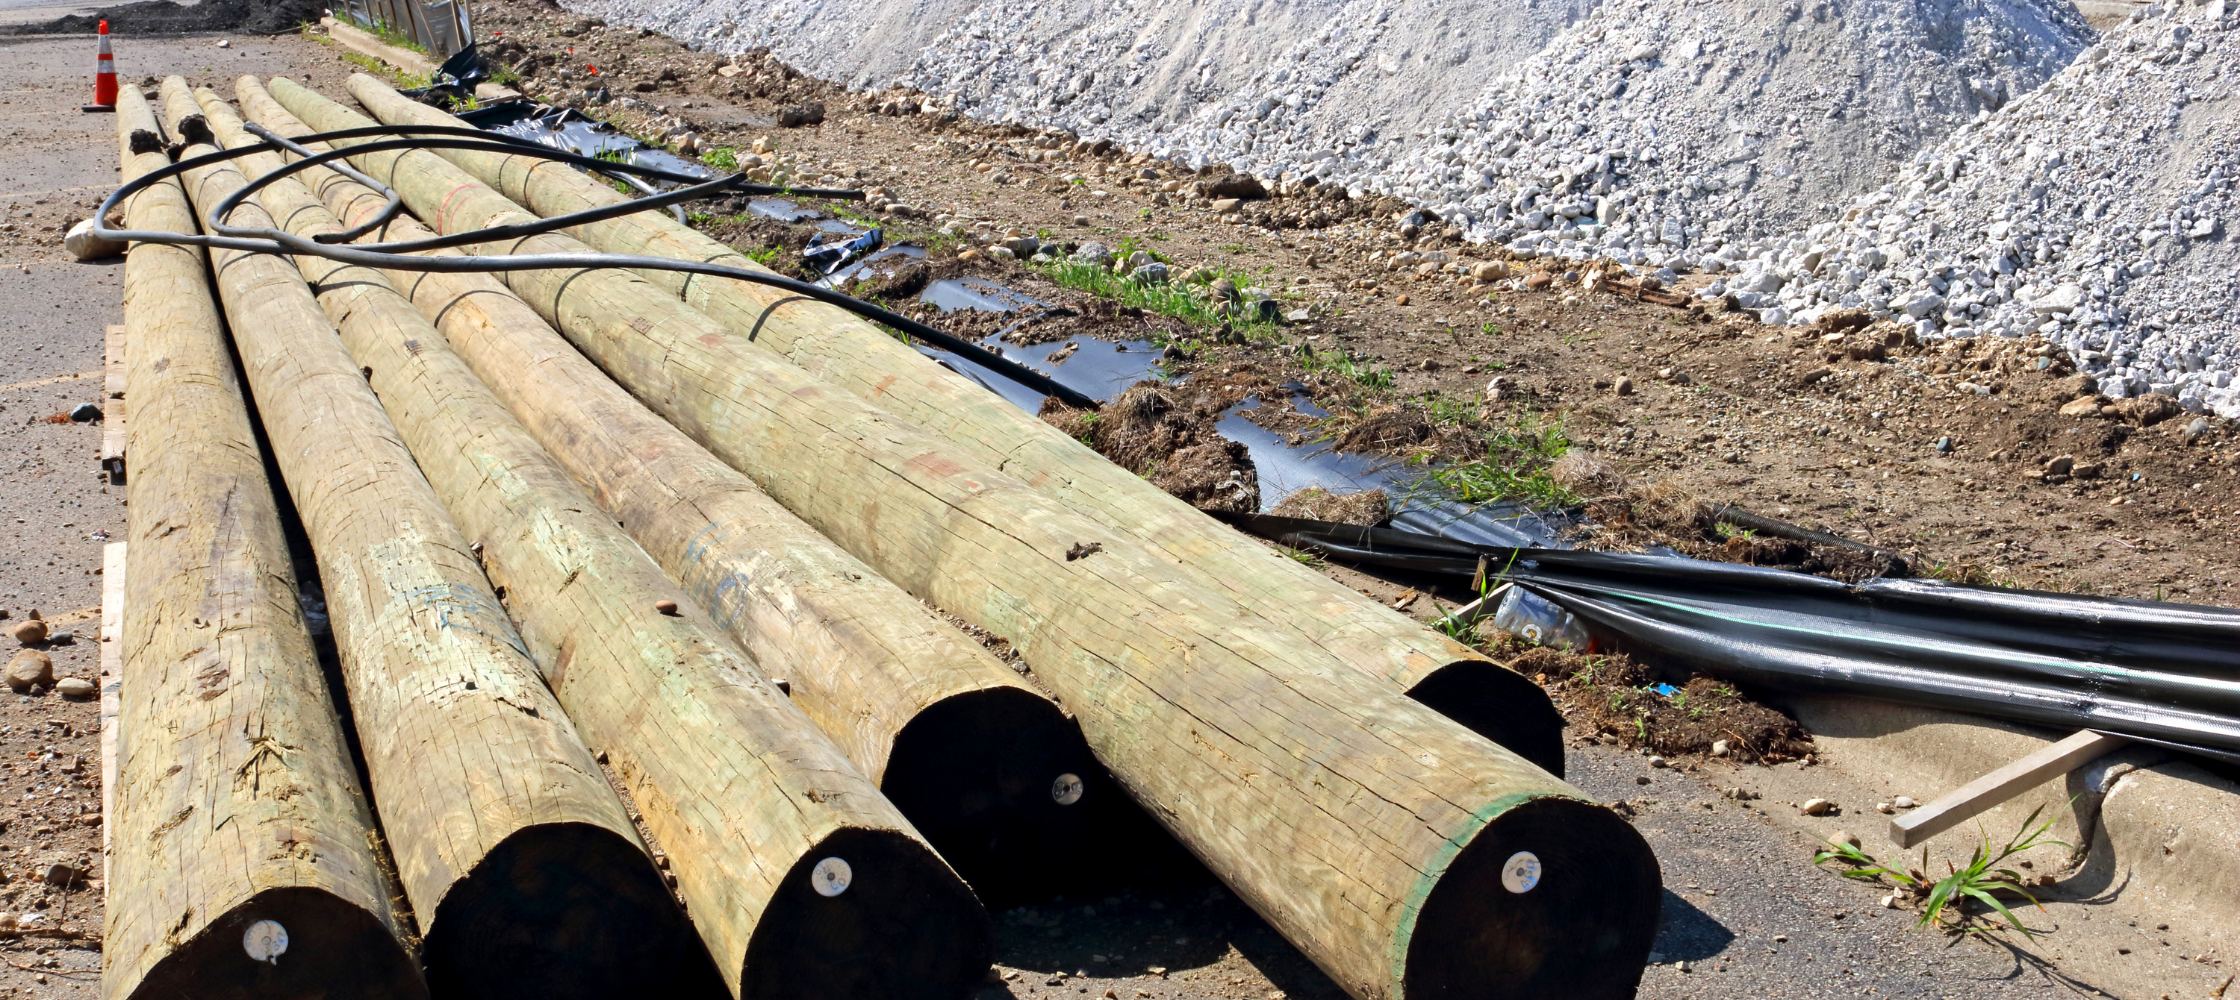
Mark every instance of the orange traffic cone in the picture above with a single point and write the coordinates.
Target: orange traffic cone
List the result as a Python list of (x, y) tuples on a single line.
[(104, 77)]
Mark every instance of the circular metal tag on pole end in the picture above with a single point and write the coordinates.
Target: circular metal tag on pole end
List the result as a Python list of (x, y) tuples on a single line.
[(831, 877), (265, 941), (1521, 872), (1067, 789)]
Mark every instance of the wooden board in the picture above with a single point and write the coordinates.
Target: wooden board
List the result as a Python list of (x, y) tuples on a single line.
[(1971, 799), (112, 678), (113, 405)]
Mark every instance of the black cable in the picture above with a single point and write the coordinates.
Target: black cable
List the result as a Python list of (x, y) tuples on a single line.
[(399, 256)]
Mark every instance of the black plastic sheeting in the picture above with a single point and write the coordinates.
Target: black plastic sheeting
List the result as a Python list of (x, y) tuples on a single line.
[(2154, 671)]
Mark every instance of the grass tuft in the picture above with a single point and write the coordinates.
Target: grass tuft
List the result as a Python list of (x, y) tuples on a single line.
[(1519, 452), (1192, 303), (1978, 881)]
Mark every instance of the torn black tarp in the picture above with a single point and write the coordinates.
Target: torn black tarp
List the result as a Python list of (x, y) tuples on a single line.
[(2155, 671)]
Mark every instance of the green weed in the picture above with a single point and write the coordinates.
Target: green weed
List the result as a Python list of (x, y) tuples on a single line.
[(1192, 303), (1518, 453), (1978, 881)]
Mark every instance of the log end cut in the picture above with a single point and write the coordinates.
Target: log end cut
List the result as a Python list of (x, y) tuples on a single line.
[(555, 912), (1556, 897), (1499, 704), (290, 942), (869, 915), (1003, 785)]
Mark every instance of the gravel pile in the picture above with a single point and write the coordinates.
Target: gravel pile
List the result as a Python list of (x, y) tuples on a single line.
[(2096, 210), (1650, 131)]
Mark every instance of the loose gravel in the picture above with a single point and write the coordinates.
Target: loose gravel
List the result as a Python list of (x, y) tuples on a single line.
[(2095, 211)]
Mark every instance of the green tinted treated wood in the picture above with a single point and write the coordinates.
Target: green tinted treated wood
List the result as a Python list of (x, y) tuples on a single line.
[(465, 747), (733, 780), (235, 799), (1361, 824), (849, 352)]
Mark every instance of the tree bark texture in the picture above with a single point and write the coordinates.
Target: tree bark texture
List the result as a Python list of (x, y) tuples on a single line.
[(732, 779), (1373, 833), (851, 353), (525, 871), (236, 801)]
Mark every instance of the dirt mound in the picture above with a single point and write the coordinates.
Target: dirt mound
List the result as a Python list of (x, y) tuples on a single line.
[(1365, 509), (1387, 432), (1148, 433), (1617, 697), (152, 17)]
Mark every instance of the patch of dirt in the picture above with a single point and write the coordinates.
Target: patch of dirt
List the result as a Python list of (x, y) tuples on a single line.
[(1387, 431), (1366, 508), (1615, 698), (1157, 432)]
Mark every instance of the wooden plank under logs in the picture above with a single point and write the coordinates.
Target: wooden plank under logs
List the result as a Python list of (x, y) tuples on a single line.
[(681, 713), (235, 803), (1401, 852), (993, 773), (851, 353), (524, 869)]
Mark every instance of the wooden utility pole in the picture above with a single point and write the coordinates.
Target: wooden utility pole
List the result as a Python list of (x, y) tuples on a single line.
[(988, 768), (236, 803), (526, 873), (849, 352), (734, 782), (1398, 850)]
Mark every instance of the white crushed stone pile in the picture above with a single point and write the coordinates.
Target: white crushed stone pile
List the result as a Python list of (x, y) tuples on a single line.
[(1655, 132), (2097, 210), (1663, 131)]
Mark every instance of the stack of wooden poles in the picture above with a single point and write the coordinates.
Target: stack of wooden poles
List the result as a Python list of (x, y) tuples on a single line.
[(640, 692)]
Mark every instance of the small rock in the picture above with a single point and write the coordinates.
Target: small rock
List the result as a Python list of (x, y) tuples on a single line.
[(2088, 470), (30, 669), (1492, 270), (1243, 187), (665, 606), (30, 631), (1719, 748), (1539, 280), (1885, 808), (60, 874), (1903, 802), (1784, 938), (1623, 386), (1890, 902), (1681, 965), (1225, 206), (84, 245), (1154, 273), (1839, 837), (2082, 406), (85, 413), (1731, 458), (811, 113), (1943, 446), (1657, 762), (1080, 220), (2061, 465), (1429, 365), (1817, 807), (225, 43), (1401, 301), (1641, 779), (76, 687)]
